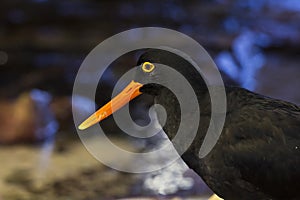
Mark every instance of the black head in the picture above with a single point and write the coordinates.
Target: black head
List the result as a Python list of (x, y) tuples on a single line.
[(149, 72), (152, 77)]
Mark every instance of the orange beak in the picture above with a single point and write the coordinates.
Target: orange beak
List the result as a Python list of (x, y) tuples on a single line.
[(130, 92)]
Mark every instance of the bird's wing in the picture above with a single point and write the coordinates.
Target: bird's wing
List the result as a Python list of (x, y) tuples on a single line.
[(264, 147)]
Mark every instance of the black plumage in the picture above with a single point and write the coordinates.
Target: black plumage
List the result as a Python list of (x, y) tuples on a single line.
[(258, 153)]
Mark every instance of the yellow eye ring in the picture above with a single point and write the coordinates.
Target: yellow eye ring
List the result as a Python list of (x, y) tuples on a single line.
[(148, 67)]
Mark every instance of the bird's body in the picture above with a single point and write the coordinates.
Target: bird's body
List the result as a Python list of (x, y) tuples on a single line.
[(257, 155)]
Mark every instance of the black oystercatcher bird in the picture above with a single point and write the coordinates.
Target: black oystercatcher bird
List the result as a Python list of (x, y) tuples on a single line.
[(257, 155)]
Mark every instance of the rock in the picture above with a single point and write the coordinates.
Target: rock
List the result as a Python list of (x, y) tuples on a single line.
[(27, 118)]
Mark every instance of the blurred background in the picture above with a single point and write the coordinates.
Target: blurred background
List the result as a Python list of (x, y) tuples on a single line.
[(255, 44)]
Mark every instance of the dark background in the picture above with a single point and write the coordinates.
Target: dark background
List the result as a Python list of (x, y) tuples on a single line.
[(256, 45)]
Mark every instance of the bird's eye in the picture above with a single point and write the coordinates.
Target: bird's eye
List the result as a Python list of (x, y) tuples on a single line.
[(148, 67)]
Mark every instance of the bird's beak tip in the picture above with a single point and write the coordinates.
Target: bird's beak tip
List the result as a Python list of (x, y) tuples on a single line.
[(93, 119), (81, 127)]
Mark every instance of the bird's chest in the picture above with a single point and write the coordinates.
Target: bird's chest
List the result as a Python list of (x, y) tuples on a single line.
[(170, 116), (183, 113)]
